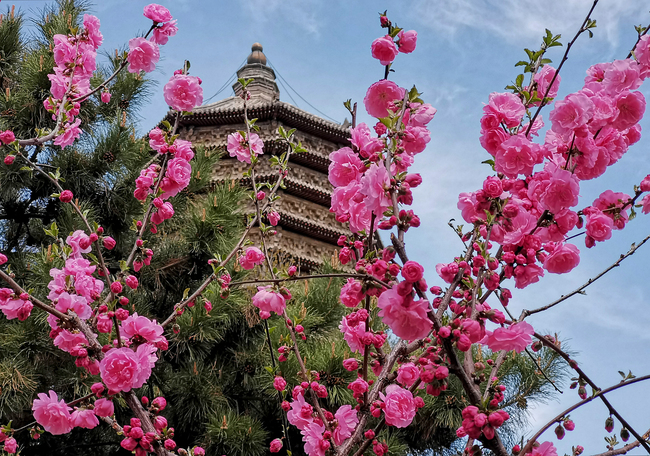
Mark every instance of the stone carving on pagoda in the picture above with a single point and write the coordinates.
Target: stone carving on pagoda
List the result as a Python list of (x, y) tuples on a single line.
[(308, 231)]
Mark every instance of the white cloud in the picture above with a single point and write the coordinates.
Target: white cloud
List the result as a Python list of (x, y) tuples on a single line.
[(301, 12), (517, 20)]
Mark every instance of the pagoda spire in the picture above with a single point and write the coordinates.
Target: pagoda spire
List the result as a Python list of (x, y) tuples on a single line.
[(263, 87)]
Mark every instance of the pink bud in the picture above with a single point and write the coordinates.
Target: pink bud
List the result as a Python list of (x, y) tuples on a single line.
[(260, 195), (131, 281), (116, 287), (9, 159), (109, 243), (66, 196)]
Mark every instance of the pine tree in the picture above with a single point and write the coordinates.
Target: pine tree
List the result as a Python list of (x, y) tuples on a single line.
[(217, 374)]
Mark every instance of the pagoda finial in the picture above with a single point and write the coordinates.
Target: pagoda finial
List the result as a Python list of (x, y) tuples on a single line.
[(257, 56)]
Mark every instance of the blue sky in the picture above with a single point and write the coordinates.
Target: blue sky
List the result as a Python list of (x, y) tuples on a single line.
[(466, 49)]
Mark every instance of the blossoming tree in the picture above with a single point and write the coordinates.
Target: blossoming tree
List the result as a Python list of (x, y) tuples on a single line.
[(518, 227)]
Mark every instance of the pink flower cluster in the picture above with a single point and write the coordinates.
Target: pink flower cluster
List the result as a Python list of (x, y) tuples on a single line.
[(14, 306), (143, 53), (385, 49), (362, 182), (183, 92), (476, 423), (55, 417), (239, 146), (75, 59)]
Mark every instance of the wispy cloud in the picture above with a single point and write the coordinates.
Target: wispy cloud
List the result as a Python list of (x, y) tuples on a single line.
[(303, 13), (516, 20)]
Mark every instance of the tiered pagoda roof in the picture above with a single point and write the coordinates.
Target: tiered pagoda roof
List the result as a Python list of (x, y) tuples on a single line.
[(307, 230)]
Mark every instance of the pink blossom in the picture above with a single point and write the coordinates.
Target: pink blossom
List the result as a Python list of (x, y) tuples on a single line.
[(405, 317), (545, 449), (345, 167), (7, 137), (562, 259), (14, 308), (381, 96), (422, 115), (526, 275), (508, 107), (268, 300), (358, 387), (347, 419), (157, 13), (53, 414), (279, 383), (407, 41), (91, 25), (400, 408), (315, 444), (276, 446), (562, 190), (543, 78), (350, 364), (140, 326), (251, 257), (646, 204), (521, 225), (69, 341), (78, 304), (364, 141), (384, 49), (177, 177), (631, 107), (599, 226), (10, 445), (374, 186), (183, 92), (621, 75), (123, 369), (517, 337), (642, 54), (492, 138), (353, 334), (492, 187), (80, 243), (516, 155), (162, 34), (407, 374), (412, 271), (106, 97), (157, 141), (182, 149), (84, 418), (238, 146), (352, 293), (570, 114), (415, 139), (300, 414), (143, 55), (274, 218), (71, 132)]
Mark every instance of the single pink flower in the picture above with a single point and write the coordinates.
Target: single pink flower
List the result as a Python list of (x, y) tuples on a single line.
[(374, 186), (300, 414), (315, 444), (7, 137), (123, 369), (384, 50), (177, 177), (140, 326), (543, 78), (562, 259), (237, 146), (407, 374), (508, 107), (84, 418), (71, 132), (347, 419), (183, 92), (352, 293), (516, 337), (274, 218), (407, 41), (381, 96), (53, 414), (405, 317), (143, 55), (599, 226), (269, 301), (162, 33), (276, 446), (251, 257), (157, 13), (91, 25), (345, 167), (412, 271), (516, 155), (545, 449), (399, 409)]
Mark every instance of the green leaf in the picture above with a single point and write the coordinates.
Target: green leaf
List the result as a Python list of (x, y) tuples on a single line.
[(521, 63), (186, 293), (123, 266), (520, 80)]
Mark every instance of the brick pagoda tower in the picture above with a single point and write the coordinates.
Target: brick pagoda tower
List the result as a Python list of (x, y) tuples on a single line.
[(307, 231)]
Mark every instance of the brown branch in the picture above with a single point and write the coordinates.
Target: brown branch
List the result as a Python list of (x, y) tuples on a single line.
[(580, 289), (597, 394), (626, 448)]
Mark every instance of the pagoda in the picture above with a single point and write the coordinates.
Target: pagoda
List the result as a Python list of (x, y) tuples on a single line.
[(307, 232)]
